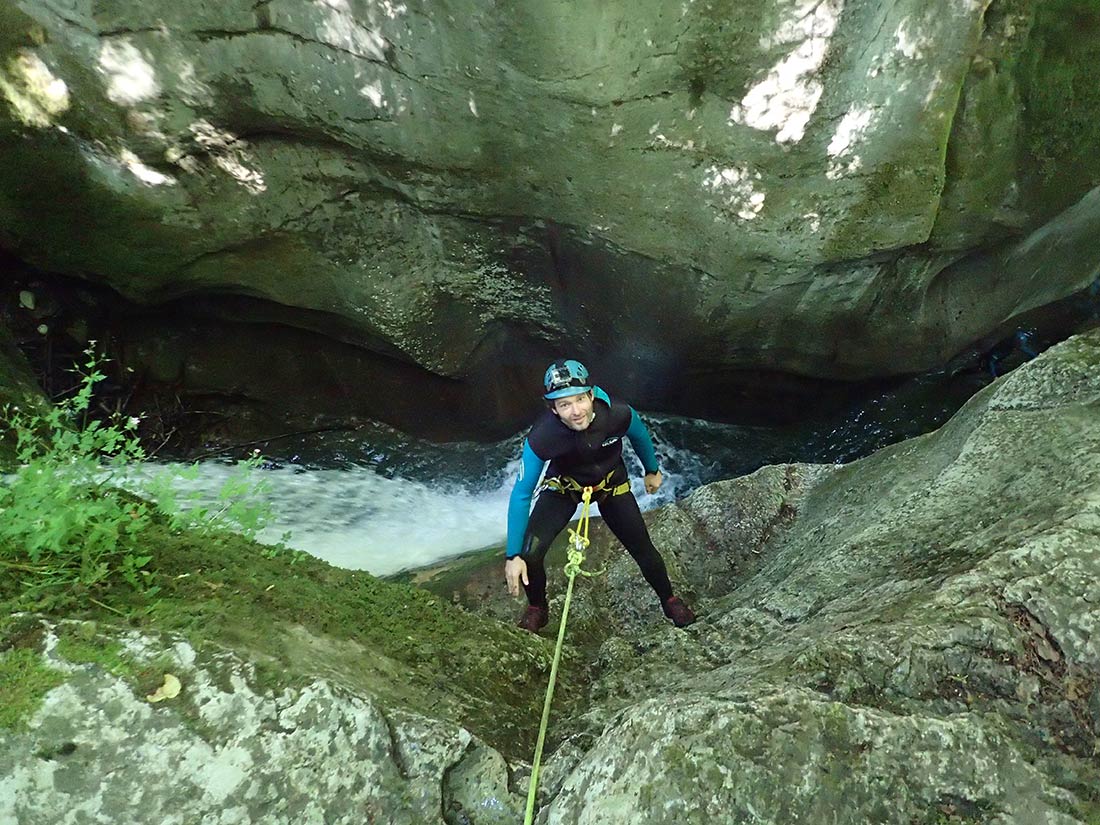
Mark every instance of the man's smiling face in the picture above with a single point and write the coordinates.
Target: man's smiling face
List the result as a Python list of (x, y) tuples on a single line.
[(575, 411)]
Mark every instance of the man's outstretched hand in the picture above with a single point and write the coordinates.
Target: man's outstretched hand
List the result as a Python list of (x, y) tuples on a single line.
[(653, 482), (515, 570)]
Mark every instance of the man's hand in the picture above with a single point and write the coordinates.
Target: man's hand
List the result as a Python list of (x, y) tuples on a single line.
[(653, 482), (515, 569)]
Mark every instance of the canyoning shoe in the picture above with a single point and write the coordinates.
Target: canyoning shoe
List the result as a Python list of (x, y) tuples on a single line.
[(533, 618), (679, 612)]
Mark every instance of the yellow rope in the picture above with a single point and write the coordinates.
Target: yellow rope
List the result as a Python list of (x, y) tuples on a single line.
[(578, 542)]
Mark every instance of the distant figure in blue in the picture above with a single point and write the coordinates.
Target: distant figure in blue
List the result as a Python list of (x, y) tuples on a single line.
[(1022, 340), (580, 434)]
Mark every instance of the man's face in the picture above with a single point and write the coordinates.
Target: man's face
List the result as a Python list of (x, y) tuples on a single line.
[(575, 411)]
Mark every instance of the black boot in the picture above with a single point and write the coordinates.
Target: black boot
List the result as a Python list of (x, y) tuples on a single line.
[(534, 618), (679, 612)]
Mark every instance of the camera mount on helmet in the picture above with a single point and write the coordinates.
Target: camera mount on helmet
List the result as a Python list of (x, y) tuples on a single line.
[(564, 378)]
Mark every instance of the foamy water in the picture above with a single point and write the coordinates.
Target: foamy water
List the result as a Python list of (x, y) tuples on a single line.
[(360, 519), (381, 501)]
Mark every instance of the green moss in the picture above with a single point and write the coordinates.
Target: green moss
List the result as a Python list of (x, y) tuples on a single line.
[(836, 731), (269, 676), (402, 644), (1061, 101), (452, 575), (890, 189), (24, 682), (958, 811), (1087, 789), (108, 655), (82, 644), (19, 630)]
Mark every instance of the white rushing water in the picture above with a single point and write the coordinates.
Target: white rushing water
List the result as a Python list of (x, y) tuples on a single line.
[(381, 501), (360, 519)]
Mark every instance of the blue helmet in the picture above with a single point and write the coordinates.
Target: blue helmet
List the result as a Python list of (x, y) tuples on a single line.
[(565, 378)]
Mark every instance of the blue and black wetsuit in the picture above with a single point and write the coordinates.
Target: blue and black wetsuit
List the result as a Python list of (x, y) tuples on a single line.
[(590, 457)]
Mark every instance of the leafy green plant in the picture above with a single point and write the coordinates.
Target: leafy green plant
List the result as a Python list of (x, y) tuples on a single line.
[(69, 524), (240, 504)]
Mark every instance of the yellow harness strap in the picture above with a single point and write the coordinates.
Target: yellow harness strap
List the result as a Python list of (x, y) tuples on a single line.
[(562, 484)]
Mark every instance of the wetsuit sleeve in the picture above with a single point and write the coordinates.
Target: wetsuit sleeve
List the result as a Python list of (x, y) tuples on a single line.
[(641, 442), (519, 504)]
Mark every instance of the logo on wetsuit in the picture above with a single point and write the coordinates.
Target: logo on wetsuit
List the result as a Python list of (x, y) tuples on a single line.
[(610, 441)]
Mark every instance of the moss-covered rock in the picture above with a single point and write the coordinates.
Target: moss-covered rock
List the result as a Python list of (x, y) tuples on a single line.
[(794, 756), (299, 620), (231, 746), (1060, 96), (285, 663), (24, 682)]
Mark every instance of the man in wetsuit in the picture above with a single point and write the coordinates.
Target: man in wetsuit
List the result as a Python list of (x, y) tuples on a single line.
[(581, 436)]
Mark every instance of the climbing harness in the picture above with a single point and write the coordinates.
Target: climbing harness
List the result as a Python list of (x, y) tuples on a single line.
[(566, 484), (578, 541)]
